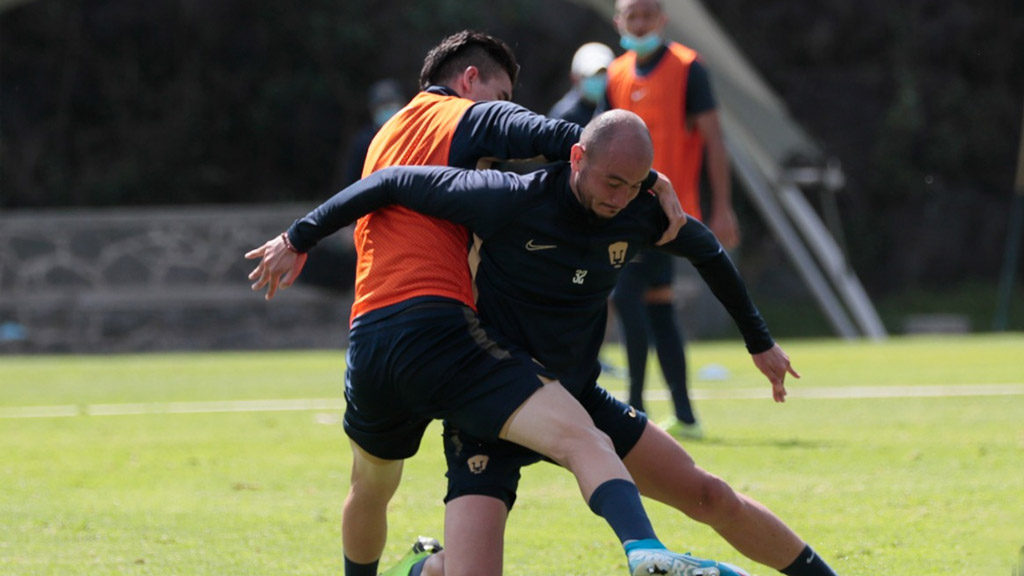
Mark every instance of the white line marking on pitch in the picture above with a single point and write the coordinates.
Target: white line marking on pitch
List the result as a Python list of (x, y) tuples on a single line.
[(314, 404), (851, 392), (128, 409)]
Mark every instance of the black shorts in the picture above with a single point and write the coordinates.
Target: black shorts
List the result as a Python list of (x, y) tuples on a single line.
[(430, 361), (487, 468)]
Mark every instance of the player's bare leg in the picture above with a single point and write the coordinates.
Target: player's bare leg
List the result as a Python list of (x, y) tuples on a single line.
[(665, 472), (364, 524), (474, 530), (554, 424)]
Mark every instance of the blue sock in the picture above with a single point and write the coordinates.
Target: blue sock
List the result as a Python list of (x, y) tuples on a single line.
[(353, 569), (618, 502), (417, 568)]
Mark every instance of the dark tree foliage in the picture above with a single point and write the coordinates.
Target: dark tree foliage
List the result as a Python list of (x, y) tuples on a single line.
[(922, 102), (120, 102)]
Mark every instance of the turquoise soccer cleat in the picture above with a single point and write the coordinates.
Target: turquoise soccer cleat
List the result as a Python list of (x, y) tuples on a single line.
[(650, 562)]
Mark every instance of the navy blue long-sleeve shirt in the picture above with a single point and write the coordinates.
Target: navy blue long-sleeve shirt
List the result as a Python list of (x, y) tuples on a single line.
[(547, 265), (504, 130)]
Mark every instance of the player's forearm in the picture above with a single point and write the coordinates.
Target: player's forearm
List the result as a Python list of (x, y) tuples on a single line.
[(718, 176), (354, 201), (508, 131), (716, 160), (727, 285)]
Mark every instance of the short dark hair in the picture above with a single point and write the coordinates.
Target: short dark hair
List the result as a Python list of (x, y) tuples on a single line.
[(468, 48)]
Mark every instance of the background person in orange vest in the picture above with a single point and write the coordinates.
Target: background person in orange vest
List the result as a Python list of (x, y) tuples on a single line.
[(666, 85)]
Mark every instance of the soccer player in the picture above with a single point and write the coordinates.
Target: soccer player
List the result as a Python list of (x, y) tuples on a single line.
[(667, 85), (416, 351), (553, 245)]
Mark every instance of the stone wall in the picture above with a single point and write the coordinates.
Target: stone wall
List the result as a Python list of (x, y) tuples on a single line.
[(159, 279)]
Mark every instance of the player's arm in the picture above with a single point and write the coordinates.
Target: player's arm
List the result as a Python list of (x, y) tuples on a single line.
[(281, 258), (507, 131), (696, 243), (702, 115), (669, 201), (503, 130), (468, 197), (722, 218)]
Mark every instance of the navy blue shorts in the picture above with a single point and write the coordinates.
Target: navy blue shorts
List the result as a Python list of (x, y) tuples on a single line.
[(430, 361), (492, 469)]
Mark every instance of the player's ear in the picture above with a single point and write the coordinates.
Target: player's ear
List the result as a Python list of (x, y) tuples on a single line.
[(576, 154), (469, 77)]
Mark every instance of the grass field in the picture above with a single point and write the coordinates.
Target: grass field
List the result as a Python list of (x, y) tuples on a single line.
[(903, 457)]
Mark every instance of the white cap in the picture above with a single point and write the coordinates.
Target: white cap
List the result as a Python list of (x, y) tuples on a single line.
[(590, 59)]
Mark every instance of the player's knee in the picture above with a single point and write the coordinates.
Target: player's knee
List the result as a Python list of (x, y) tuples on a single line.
[(582, 440), (374, 491), (716, 501)]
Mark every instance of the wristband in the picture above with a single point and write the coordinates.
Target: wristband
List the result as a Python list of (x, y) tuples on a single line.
[(288, 243)]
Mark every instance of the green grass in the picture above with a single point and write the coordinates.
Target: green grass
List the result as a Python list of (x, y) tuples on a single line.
[(931, 485)]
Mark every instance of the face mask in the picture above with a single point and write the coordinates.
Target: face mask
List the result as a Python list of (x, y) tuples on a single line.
[(592, 88), (642, 45), (384, 113)]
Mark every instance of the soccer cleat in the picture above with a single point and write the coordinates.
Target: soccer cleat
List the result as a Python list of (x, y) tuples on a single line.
[(649, 562), (683, 431), (422, 548)]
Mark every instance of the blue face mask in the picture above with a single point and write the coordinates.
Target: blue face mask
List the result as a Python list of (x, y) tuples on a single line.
[(384, 113), (642, 45), (592, 88)]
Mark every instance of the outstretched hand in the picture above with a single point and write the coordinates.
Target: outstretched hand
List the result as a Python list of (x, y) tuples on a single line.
[(669, 201), (278, 268), (774, 363)]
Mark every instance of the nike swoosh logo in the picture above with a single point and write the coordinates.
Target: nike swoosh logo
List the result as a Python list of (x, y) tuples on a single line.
[(532, 247)]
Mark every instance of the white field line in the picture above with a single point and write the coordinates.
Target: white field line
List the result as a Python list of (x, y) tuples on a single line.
[(857, 392), (289, 405), (316, 404)]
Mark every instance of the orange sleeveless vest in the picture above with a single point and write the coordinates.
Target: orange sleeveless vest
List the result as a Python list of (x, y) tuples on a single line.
[(402, 254), (660, 99)]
